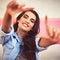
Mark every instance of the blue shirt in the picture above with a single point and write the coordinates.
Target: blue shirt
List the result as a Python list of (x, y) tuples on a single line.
[(11, 45)]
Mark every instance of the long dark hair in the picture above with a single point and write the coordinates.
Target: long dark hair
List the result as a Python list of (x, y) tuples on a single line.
[(29, 46)]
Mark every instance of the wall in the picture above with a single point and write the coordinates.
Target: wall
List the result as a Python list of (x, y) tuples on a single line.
[(43, 7)]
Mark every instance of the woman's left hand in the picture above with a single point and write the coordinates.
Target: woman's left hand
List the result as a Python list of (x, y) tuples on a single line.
[(52, 33)]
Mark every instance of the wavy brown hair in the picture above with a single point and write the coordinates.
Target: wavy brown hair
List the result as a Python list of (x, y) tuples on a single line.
[(29, 47)]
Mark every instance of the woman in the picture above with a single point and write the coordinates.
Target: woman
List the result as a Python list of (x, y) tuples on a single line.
[(19, 41)]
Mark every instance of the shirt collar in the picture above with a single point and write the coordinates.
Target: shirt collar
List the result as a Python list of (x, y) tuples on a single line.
[(17, 38)]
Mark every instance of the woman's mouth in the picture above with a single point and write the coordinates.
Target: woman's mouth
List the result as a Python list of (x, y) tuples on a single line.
[(25, 24)]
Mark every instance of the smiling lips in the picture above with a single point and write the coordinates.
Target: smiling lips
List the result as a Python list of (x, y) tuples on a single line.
[(25, 24)]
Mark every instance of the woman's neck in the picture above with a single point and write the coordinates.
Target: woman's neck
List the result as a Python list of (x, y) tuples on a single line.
[(21, 33)]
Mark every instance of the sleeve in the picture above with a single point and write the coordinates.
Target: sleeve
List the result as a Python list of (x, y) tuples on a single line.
[(39, 48), (3, 35)]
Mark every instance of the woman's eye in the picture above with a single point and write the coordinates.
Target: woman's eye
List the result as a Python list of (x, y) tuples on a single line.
[(25, 16), (32, 20)]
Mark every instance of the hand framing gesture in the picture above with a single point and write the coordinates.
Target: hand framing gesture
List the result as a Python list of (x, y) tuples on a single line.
[(13, 8), (52, 32)]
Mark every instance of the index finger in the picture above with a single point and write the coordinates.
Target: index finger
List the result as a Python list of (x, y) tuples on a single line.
[(11, 3), (26, 9), (46, 19)]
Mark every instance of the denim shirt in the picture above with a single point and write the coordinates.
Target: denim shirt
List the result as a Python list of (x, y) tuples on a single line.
[(11, 45)]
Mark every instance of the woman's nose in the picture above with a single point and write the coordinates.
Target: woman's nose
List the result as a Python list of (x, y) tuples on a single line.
[(28, 20)]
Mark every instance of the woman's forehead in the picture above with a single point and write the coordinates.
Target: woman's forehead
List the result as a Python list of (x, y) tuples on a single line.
[(29, 13)]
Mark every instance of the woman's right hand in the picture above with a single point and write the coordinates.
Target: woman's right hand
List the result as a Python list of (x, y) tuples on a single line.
[(13, 8)]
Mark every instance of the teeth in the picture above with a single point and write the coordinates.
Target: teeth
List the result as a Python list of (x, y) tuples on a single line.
[(25, 25)]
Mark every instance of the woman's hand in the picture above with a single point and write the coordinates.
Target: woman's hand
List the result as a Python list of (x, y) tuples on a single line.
[(13, 8), (52, 33), (52, 37)]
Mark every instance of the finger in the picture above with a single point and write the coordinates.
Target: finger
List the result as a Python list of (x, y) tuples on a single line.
[(46, 19), (54, 33), (50, 33), (47, 27), (46, 24), (14, 5), (26, 9), (21, 6), (11, 4), (58, 35), (17, 7), (21, 9)]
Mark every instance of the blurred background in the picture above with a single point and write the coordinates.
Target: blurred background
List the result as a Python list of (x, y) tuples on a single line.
[(43, 7)]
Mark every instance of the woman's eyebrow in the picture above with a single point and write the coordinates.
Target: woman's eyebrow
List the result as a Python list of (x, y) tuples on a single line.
[(26, 15), (33, 19)]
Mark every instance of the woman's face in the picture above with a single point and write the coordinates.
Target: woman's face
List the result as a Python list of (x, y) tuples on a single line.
[(27, 21)]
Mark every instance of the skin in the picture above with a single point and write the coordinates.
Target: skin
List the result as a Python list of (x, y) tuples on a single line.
[(12, 9), (25, 24), (53, 33), (52, 36)]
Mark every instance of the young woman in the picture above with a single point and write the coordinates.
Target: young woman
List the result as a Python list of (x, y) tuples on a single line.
[(19, 41)]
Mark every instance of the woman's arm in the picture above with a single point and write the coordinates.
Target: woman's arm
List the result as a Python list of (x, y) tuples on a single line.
[(8, 17), (6, 23), (52, 38), (12, 9)]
